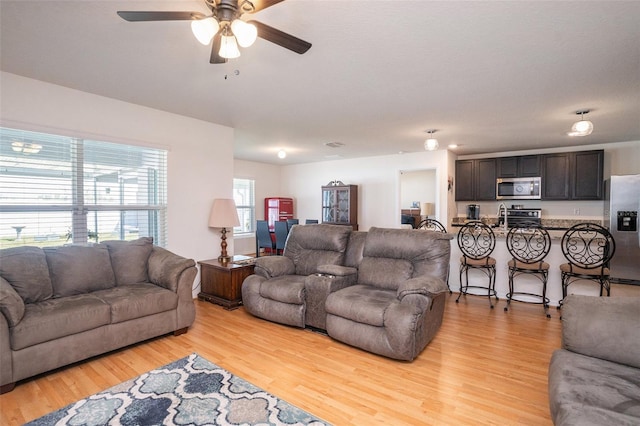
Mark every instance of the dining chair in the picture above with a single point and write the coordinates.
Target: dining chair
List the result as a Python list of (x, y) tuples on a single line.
[(291, 222), (588, 248), (477, 241), (263, 238), (282, 232), (528, 244)]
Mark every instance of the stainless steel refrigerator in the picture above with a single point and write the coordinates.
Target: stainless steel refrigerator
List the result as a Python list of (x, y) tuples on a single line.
[(622, 203)]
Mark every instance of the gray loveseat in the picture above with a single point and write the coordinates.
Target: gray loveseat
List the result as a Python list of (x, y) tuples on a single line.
[(381, 290), (595, 378), (64, 304)]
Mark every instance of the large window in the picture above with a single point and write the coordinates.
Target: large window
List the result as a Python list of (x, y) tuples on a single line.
[(57, 189), (244, 197)]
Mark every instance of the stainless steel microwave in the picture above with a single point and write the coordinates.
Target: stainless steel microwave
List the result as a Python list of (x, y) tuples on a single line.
[(518, 188)]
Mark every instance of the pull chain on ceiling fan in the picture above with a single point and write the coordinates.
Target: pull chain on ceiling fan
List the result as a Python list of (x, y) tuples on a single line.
[(225, 28)]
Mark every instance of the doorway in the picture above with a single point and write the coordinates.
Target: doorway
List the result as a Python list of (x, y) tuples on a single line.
[(417, 187)]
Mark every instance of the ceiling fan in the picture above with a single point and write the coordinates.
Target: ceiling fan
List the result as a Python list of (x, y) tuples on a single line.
[(225, 27)]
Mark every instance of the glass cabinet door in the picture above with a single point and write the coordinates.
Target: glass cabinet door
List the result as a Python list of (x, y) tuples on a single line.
[(342, 205), (328, 206)]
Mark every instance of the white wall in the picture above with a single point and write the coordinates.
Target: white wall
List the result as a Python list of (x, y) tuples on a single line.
[(200, 157), (419, 185), (267, 178), (378, 180)]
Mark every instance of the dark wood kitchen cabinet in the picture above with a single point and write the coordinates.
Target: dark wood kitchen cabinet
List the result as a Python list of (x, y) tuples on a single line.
[(476, 180), (555, 176), (587, 178), (573, 175), (521, 166)]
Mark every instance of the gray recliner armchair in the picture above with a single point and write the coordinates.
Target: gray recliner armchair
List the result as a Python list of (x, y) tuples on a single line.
[(276, 292), (396, 306)]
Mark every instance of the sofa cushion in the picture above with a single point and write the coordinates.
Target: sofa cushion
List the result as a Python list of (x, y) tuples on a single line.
[(26, 270), (314, 245), (361, 303), (55, 318), (384, 272), (79, 269), (589, 391), (11, 304), (286, 289), (137, 300), (129, 260)]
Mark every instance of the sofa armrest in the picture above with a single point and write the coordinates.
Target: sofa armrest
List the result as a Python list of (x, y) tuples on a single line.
[(602, 327), (423, 285), (166, 267), (11, 304), (274, 266), (337, 270)]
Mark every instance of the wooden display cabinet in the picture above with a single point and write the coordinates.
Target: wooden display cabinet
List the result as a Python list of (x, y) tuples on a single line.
[(340, 205)]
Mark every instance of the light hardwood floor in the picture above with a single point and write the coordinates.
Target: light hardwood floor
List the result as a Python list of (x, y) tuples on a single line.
[(483, 367)]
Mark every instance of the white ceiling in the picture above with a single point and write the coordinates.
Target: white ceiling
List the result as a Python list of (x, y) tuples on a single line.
[(488, 75)]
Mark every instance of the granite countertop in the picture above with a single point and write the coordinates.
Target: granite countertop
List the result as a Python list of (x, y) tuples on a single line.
[(549, 224)]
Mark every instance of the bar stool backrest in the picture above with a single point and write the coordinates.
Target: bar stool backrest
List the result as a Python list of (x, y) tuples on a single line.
[(431, 225), (528, 243), (476, 240), (588, 246)]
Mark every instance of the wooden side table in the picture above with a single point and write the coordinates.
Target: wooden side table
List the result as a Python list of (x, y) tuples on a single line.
[(222, 282)]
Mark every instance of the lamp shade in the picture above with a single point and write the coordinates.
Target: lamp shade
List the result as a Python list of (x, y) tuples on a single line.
[(229, 47), (245, 33), (427, 209), (431, 144), (581, 128), (223, 214), (204, 29)]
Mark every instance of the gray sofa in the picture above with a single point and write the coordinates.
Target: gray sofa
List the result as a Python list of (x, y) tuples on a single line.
[(397, 304), (381, 290), (595, 378), (64, 304), (278, 289)]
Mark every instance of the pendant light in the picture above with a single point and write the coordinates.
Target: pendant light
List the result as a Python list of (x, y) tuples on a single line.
[(431, 144), (582, 127)]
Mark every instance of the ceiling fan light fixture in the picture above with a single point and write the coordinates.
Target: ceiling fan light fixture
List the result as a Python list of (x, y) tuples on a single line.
[(581, 127), (245, 33), (228, 47), (204, 29)]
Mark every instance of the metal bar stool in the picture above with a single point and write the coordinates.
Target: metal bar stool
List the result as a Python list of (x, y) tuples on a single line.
[(528, 244), (434, 225), (588, 249), (477, 241)]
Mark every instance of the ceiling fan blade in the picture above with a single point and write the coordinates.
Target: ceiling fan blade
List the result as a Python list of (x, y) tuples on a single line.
[(159, 16), (215, 48), (281, 38), (263, 4)]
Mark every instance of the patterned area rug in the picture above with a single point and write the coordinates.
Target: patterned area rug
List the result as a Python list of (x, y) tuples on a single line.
[(190, 391)]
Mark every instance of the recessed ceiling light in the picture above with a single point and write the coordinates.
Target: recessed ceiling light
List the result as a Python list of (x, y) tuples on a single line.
[(282, 154), (453, 145)]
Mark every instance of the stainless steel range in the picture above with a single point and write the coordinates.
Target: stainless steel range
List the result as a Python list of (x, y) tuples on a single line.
[(519, 216)]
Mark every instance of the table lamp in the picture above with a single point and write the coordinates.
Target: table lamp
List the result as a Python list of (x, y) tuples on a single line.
[(427, 209), (223, 215)]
